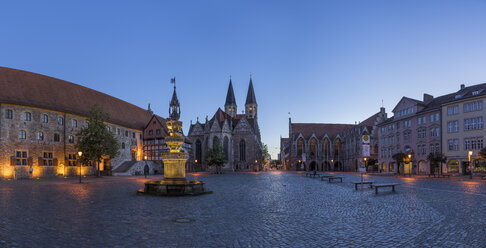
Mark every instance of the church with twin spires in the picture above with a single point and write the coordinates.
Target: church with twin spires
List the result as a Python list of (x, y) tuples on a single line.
[(238, 134)]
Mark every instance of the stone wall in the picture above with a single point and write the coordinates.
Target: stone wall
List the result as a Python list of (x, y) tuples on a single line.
[(39, 140)]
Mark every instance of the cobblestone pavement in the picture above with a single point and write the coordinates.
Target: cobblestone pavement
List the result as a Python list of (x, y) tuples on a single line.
[(269, 209)]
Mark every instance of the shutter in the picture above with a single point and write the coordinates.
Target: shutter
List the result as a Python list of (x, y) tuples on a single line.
[(12, 160), (30, 161), (40, 161), (55, 162)]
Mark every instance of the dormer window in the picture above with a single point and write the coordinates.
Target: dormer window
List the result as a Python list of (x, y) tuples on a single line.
[(457, 96), (475, 93)]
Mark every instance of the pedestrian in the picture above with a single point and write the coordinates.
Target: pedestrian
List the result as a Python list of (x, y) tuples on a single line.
[(146, 170), (31, 170)]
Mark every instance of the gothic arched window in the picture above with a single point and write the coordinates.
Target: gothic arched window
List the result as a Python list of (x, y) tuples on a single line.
[(225, 148), (313, 147), (242, 150), (326, 148), (300, 147), (198, 151)]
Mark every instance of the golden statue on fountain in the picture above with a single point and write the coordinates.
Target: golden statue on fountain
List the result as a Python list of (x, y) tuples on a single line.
[(174, 182)]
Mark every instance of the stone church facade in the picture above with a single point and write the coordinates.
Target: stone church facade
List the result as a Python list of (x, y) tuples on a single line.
[(238, 135)]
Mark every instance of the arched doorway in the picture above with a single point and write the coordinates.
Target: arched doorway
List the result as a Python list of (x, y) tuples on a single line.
[(453, 166), (313, 166), (326, 166), (383, 166)]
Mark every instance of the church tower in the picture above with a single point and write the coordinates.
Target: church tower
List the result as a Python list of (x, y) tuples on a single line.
[(251, 104), (230, 105)]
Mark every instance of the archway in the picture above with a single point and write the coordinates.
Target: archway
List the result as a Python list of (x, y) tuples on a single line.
[(383, 166), (453, 166), (300, 147), (312, 166), (338, 166)]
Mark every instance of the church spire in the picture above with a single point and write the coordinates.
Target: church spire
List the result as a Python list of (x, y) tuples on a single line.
[(230, 105), (251, 104)]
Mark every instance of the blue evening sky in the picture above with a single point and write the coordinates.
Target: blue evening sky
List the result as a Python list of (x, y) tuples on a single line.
[(322, 61)]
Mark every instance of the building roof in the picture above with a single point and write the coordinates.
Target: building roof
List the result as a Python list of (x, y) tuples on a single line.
[(36, 90), (320, 129)]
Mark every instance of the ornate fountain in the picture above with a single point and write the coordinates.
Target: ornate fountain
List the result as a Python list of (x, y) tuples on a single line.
[(174, 182)]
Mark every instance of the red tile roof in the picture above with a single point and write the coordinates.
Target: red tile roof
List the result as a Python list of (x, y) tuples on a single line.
[(35, 90), (320, 129)]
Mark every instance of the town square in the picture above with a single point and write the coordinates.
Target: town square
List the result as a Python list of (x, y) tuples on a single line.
[(242, 123)]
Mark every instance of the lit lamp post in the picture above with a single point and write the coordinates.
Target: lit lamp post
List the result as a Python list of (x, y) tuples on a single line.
[(144, 168), (195, 165), (80, 153), (470, 153), (410, 162), (332, 164), (366, 165)]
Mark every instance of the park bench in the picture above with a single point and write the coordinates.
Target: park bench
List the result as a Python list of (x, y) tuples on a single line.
[(332, 179), (362, 183), (385, 185)]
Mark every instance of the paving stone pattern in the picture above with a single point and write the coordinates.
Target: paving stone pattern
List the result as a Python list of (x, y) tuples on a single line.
[(269, 209)]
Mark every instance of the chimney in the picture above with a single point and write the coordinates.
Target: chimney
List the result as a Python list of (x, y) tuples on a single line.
[(428, 97), (463, 86)]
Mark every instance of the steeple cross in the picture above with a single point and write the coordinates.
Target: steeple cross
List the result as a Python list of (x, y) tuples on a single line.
[(172, 81)]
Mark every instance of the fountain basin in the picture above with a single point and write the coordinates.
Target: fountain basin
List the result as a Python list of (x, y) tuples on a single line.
[(174, 187)]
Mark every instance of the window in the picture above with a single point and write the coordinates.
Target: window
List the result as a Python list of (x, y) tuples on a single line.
[(40, 136), (8, 114), (151, 132), (133, 135), (60, 121), (474, 143), (123, 145), (421, 133), (198, 151), (473, 123), (452, 126), (473, 106), (28, 116), (157, 132), (437, 115), (74, 123), (434, 132), (453, 110), (71, 158), (453, 144), (431, 118), (86, 124), (45, 118), (434, 148), (47, 159), (118, 131), (56, 137), (21, 158), (71, 139), (422, 149), (22, 134), (242, 150), (407, 135), (126, 133)]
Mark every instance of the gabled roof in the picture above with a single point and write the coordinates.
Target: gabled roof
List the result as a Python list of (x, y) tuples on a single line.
[(407, 98), (36, 90)]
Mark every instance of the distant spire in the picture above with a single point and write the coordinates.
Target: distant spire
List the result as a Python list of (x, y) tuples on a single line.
[(230, 96), (250, 97)]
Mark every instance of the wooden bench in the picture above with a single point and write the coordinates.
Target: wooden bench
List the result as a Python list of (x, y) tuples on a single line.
[(384, 185), (332, 179), (311, 174), (362, 184)]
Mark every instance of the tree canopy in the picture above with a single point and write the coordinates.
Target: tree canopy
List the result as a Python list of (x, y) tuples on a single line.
[(435, 159), (95, 140), (216, 157)]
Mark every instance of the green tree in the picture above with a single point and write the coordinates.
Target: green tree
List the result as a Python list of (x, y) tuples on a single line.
[(265, 155), (216, 157), (436, 158), (482, 153), (95, 140), (399, 158)]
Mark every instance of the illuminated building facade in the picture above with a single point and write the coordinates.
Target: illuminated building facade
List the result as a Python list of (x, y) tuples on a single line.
[(40, 117)]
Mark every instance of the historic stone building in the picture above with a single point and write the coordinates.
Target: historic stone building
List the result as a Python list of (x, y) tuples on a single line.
[(332, 147), (238, 134), (40, 117)]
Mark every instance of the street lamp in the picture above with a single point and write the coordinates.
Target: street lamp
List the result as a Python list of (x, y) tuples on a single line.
[(410, 162), (470, 153), (80, 153), (332, 164), (144, 168)]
